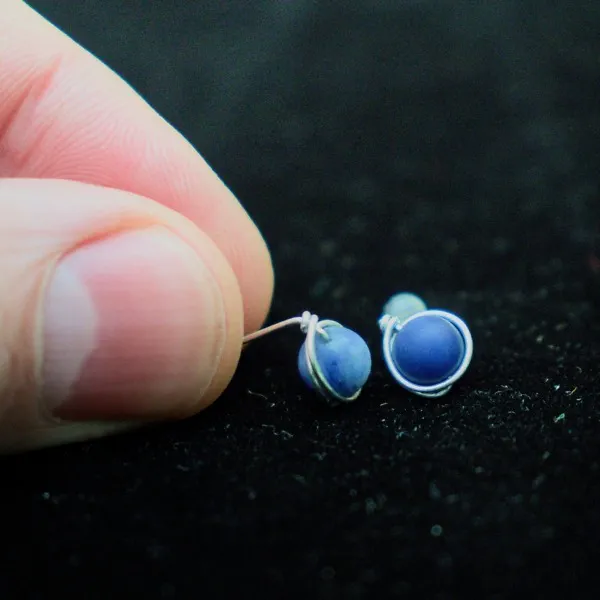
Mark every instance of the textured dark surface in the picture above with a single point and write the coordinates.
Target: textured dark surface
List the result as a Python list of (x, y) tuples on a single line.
[(436, 146)]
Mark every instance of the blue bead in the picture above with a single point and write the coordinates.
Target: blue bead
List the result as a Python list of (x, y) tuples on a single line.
[(344, 358), (404, 305), (428, 350)]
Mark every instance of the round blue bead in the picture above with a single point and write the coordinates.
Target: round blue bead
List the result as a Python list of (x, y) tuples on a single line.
[(428, 350), (344, 358)]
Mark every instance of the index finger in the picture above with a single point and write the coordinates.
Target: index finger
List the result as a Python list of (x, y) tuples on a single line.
[(65, 115)]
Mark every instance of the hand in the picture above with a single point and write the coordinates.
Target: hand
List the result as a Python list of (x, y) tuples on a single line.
[(128, 271)]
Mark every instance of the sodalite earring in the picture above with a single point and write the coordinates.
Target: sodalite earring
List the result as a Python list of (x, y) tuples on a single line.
[(333, 360), (426, 351)]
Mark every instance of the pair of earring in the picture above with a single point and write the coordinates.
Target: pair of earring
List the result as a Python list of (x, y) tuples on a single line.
[(425, 350)]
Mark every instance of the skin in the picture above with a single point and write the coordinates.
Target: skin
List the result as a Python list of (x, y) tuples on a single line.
[(129, 271)]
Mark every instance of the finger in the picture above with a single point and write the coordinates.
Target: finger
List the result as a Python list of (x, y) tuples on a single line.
[(65, 115), (112, 308)]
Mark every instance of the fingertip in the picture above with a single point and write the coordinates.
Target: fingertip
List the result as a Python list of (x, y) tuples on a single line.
[(260, 281), (137, 325), (118, 311), (65, 115)]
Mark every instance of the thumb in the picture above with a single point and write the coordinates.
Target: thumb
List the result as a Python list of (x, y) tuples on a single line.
[(113, 310)]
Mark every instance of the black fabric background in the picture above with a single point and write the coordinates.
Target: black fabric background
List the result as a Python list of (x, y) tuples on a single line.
[(443, 147)]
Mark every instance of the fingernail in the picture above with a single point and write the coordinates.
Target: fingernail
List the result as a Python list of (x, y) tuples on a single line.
[(133, 327)]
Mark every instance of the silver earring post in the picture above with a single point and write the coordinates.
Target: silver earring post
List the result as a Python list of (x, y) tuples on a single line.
[(303, 321)]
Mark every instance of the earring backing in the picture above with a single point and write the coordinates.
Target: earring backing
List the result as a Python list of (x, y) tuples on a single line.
[(333, 360), (425, 350)]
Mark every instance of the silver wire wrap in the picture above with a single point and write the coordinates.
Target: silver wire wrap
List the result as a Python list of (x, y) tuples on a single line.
[(310, 326), (390, 326)]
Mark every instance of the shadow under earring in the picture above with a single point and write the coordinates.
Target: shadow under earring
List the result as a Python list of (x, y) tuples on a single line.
[(425, 350), (333, 360)]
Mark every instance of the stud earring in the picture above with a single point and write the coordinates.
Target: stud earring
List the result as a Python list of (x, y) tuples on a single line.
[(333, 360), (425, 350)]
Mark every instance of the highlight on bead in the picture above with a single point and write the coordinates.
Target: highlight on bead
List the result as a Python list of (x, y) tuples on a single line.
[(427, 352), (333, 361)]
